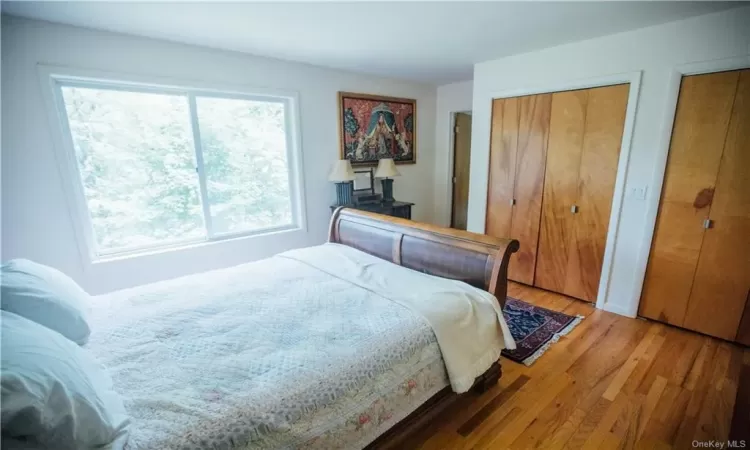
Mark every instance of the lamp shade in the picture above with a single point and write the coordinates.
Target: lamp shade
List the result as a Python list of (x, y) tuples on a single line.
[(386, 169), (342, 171)]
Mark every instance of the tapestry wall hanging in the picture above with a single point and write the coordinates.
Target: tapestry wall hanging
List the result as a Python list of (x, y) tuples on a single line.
[(373, 127)]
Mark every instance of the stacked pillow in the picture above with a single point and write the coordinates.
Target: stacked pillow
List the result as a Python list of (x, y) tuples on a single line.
[(54, 393), (46, 296)]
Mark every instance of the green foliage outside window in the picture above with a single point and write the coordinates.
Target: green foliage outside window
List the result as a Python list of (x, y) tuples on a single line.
[(137, 161)]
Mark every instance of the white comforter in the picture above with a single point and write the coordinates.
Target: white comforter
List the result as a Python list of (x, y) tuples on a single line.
[(468, 322), (282, 353)]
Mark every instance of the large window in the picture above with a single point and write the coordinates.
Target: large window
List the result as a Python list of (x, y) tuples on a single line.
[(160, 167)]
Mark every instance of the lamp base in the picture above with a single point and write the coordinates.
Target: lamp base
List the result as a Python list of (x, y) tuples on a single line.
[(387, 189), (344, 193)]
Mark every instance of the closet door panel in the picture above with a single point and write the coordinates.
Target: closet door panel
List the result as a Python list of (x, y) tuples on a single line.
[(722, 279), (605, 120), (701, 121), (556, 239), (533, 128), (502, 176)]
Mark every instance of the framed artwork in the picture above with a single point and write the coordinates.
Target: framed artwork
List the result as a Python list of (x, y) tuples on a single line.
[(373, 127)]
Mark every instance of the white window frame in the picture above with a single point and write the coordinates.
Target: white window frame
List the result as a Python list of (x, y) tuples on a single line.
[(53, 78)]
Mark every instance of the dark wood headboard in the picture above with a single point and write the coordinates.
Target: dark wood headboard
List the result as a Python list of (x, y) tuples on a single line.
[(477, 259)]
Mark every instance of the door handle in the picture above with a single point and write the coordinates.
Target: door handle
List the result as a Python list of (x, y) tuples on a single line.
[(513, 202), (574, 209), (708, 223)]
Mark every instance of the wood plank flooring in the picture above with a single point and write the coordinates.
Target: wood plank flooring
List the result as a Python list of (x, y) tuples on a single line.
[(613, 382)]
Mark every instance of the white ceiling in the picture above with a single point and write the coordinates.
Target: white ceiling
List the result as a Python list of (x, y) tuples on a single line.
[(434, 42)]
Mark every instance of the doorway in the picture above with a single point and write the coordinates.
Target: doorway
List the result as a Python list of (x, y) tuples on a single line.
[(461, 157)]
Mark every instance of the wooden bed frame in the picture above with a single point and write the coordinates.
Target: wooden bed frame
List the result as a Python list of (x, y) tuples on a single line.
[(477, 259)]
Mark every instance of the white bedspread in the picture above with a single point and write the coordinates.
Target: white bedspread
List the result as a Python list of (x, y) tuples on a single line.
[(324, 347), (468, 322)]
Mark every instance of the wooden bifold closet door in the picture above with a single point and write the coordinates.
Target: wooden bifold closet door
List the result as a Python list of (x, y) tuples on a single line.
[(518, 149), (698, 274), (553, 164), (584, 149)]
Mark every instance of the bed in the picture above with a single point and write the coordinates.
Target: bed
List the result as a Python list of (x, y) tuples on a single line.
[(290, 352)]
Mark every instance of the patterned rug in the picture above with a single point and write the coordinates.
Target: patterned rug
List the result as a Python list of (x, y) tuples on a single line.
[(534, 329)]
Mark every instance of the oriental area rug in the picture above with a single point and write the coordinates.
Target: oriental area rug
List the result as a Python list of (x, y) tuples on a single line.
[(534, 329)]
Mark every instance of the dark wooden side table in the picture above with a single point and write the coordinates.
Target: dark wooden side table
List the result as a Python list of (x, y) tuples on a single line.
[(394, 208)]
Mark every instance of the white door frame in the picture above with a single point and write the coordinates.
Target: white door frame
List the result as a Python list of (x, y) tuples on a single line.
[(632, 78), (660, 165)]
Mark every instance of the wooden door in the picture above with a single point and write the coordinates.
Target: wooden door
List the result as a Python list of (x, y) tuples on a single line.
[(502, 170), (605, 122), (701, 122), (556, 240), (518, 149), (586, 129), (461, 157), (533, 129), (722, 277)]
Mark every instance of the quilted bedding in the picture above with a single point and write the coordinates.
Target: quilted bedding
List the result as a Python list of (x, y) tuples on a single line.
[(271, 354)]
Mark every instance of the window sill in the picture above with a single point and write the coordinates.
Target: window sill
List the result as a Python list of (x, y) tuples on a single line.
[(194, 244)]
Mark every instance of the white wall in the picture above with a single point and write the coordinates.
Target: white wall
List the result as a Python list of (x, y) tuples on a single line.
[(36, 220), (451, 98), (656, 51)]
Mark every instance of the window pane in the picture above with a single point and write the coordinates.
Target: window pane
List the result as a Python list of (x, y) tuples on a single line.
[(135, 153), (244, 153)]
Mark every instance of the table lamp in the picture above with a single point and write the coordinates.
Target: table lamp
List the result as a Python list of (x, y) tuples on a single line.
[(342, 174), (386, 169)]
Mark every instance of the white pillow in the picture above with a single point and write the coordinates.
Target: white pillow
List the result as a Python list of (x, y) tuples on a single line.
[(46, 296), (54, 393)]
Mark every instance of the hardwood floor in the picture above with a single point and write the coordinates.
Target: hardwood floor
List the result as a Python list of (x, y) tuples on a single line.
[(613, 382)]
